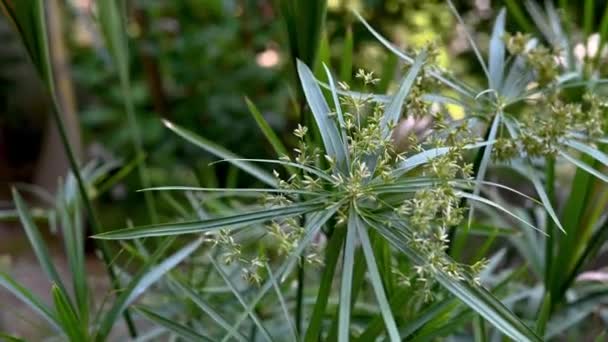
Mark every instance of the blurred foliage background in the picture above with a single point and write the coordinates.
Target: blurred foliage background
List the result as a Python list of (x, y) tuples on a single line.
[(193, 62)]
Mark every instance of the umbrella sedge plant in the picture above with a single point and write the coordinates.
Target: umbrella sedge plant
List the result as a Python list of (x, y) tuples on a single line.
[(369, 195)]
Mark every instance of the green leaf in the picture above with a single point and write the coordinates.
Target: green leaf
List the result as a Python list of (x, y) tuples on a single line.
[(73, 237), (497, 51), (470, 39), (112, 19), (233, 222), (346, 59), (310, 169), (588, 16), (588, 150), (112, 24), (221, 152), (277, 289), (73, 327), (485, 160), (229, 190), (270, 135), (332, 255), (202, 304), (334, 146), (254, 317), (493, 204), (530, 173), (518, 14), (376, 281), (28, 298), (588, 168), (432, 313), (36, 241), (346, 285), (473, 295), (337, 106), (29, 18), (170, 324), (313, 225), (424, 157), (392, 113), (304, 22), (453, 84), (145, 278)]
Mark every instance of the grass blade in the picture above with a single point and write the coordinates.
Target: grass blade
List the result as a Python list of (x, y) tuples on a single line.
[(540, 189), (346, 60), (113, 27), (180, 330), (313, 226), (376, 280), (221, 152), (201, 226), (473, 295), (485, 161), (588, 150), (149, 274), (292, 328), (334, 145), (202, 304), (486, 201), (31, 300), (347, 278), (424, 157), (67, 316), (393, 111), (239, 297), (36, 241), (270, 135), (497, 51), (73, 238), (456, 86), (337, 106), (470, 39), (584, 166), (332, 255)]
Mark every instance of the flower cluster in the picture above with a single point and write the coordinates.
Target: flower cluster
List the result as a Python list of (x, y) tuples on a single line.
[(547, 118), (427, 212)]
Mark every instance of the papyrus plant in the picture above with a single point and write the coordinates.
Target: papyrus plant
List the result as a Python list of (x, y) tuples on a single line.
[(369, 197)]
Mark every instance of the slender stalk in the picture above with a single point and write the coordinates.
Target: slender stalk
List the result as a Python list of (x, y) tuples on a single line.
[(546, 306), (550, 190)]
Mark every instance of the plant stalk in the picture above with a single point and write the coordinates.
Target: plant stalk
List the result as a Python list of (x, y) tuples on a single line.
[(550, 190)]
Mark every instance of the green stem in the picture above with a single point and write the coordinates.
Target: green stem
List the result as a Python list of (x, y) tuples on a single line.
[(546, 306), (544, 311), (95, 225), (332, 255), (549, 242)]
